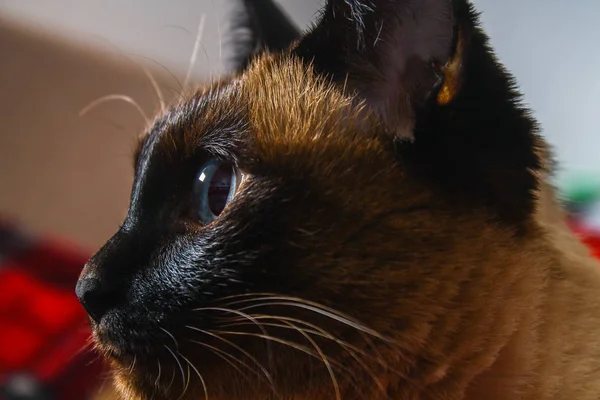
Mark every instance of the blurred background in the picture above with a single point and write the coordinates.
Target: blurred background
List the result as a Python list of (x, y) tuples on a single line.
[(65, 178)]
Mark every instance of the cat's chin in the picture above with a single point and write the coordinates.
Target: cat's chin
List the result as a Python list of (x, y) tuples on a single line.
[(164, 372), (125, 341), (218, 385), (144, 381), (185, 376)]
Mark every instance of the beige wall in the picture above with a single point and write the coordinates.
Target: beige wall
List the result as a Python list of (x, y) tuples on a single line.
[(59, 172)]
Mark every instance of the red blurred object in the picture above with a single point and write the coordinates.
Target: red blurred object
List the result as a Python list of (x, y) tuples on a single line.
[(590, 236), (42, 325)]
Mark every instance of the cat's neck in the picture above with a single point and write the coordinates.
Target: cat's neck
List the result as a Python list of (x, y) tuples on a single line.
[(522, 360), (513, 371)]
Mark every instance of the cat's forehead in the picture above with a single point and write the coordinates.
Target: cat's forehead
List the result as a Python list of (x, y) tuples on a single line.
[(285, 95), (277, 107)]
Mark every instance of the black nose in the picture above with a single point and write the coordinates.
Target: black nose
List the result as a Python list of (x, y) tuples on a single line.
[(94, 298)]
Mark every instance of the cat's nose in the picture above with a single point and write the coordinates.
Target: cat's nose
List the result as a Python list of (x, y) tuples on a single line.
[(94, 298)]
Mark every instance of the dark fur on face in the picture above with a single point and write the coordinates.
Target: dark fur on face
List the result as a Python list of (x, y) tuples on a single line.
[(385, 242)]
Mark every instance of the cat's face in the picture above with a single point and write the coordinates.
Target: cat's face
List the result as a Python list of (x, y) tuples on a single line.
[(306, 228)]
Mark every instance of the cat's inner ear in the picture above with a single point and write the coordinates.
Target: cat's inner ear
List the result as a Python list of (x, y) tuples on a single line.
[(396, 54), (260, 25)]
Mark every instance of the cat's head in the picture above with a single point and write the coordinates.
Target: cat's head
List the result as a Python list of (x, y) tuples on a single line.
[(337, 218)]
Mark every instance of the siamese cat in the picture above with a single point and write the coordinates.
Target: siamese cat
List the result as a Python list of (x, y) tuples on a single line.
[(361, 211)]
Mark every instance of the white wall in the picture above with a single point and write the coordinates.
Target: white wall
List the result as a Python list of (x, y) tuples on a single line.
[(162, 30), (552, 46)]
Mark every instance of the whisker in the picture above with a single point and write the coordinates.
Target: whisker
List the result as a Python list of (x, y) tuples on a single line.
[(241, 350), (329, 312), (157, 381), (319, 310), (315, 330), (114, 97), (250, 301), (93, 360), (226, 357), (128, 57), (180, 368), (199, 376), (272, 338), (334, 381), (245, 296), (351, 350), (275, 339), (365, 332), (210, 71), (162, 66), (244, 315), (220, 46), (87, 346), (237, 312), (170, 385), (132, 366), (194, 51), (187, 382), (171, 336), (159, 93)]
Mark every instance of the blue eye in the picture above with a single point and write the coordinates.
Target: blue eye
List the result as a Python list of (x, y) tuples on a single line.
[(215, 186)]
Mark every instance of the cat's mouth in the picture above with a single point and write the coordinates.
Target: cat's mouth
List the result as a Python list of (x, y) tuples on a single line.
[(116, 351), (128, 341), (164, 365), (124, 340)]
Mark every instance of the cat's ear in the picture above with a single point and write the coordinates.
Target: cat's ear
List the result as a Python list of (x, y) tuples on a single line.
[(393, 52), (260, 25), (425, 67)]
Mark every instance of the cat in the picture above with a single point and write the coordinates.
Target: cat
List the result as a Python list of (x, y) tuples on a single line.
[(362, 211)]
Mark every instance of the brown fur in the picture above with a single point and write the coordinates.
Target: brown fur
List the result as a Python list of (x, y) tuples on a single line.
[(509, 332), (453, 302), (504, 319)]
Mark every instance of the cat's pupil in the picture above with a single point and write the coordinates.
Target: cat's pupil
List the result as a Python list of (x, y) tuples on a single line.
[(220, 189)]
